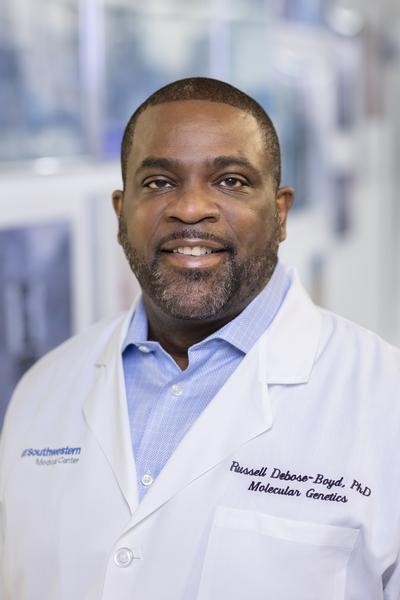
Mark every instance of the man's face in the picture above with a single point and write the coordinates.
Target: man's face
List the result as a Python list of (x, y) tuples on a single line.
[(199, 220)]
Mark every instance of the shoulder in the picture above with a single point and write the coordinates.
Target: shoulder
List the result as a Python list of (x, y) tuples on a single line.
[(84, 348), (66, 367), (360, 364), (308, 344), (345, 342), (355, 340)]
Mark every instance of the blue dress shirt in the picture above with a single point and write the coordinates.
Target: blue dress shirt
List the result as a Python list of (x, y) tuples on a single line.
[(164, 401)]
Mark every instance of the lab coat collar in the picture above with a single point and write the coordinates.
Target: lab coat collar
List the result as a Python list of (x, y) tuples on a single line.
[(291, 342)]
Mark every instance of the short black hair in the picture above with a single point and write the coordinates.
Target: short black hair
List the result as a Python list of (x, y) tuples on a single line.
[(212, 90)]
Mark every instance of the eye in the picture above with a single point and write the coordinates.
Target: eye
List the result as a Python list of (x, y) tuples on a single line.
[(158, 184), (232, 182)]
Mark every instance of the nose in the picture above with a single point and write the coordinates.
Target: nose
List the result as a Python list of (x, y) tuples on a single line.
[(193, 204)]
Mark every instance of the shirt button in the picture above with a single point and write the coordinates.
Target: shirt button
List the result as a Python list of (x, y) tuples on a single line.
[(144, 349), (123, 557), (147, 479), (176, 389)]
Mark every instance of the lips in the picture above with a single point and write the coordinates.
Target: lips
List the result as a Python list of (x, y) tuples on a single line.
[(188, 245)]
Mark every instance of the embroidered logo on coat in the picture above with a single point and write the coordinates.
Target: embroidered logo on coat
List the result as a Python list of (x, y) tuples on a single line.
[(47, 457)]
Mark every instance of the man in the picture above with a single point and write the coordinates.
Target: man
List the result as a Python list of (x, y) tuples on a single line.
[(226, 438)]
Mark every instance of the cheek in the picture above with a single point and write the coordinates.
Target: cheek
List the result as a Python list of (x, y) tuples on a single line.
[(253, 229), (142, 224)]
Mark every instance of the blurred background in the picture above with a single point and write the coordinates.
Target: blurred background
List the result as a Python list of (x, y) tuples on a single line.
[(72, 72)]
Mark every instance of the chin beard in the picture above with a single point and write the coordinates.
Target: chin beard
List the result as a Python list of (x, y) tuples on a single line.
[(189, 294)]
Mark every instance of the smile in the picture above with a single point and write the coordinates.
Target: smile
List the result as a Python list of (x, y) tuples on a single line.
[(192, 251), (193, 254)]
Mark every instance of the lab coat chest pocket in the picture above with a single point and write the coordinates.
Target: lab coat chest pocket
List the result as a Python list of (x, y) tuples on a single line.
[(259, 556)]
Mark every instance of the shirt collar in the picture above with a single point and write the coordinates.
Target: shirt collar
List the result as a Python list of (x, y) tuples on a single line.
[(243, 331)]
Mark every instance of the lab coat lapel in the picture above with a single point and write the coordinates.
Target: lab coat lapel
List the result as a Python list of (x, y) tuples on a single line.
[(106, 414)]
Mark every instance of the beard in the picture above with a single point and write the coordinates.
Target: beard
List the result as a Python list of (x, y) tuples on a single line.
[(200, 294)]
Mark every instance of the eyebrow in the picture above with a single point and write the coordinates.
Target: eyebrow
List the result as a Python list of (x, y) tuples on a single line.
[(155, 162), (227, 161)]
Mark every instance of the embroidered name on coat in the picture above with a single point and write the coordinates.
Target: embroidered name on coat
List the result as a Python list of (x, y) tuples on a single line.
[(320, 486)]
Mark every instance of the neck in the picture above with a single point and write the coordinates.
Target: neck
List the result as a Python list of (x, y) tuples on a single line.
[(175, 335)]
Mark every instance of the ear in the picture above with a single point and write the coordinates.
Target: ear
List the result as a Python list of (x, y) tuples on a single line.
[(118, 201), (284, 202)]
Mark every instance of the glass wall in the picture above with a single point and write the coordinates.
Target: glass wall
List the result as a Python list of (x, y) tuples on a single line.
[(73, 71), (40, 95)]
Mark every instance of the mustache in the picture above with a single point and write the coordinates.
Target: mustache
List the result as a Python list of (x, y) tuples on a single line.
[(191, 234)]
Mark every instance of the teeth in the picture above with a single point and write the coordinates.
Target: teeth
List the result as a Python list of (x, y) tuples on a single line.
[(195, 251)]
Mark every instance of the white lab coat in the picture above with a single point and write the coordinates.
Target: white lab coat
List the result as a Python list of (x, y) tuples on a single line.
[(286, 487)]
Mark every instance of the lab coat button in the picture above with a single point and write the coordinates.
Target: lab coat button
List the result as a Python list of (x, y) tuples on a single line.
[(147, 479), (176, 389), (123, 557)]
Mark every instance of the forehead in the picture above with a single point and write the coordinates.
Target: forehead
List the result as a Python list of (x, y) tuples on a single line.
[(192, 129)]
